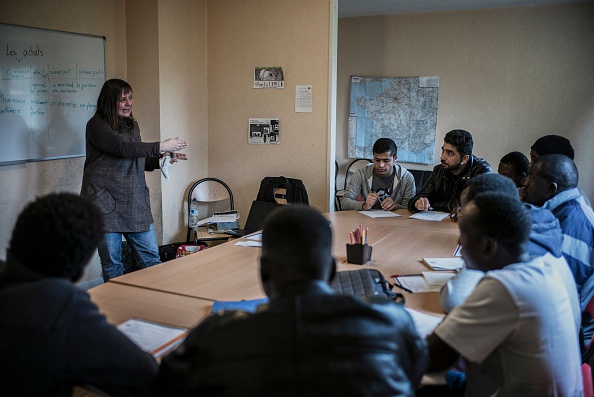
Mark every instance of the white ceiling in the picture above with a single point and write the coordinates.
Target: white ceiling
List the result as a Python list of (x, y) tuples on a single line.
[(358, 8)]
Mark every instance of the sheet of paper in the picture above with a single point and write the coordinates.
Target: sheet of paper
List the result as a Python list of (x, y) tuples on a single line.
[(254, 236), (437, 278), (303, 99), (154, 338), (430, 215), (249, 243), (425, 323), (378, 214), (416, 284), (452, 263)]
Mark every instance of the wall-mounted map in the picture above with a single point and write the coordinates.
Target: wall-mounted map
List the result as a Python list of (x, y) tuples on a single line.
[(401, 108)]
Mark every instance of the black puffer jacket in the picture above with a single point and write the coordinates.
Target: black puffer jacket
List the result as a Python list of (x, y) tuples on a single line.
[(443, 188), (306, 342)]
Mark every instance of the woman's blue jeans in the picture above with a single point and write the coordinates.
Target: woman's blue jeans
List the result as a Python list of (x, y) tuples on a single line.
[(144, 247)]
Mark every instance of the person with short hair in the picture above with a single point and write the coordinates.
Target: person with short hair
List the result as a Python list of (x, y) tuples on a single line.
[(383, 185), (545, 241), (308, 340), (552, 184), (515, 331), (514, 165), (551, 144), (52, 337), (443, 188)]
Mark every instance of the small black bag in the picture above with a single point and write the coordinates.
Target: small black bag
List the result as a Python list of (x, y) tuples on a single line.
[(365, 283)]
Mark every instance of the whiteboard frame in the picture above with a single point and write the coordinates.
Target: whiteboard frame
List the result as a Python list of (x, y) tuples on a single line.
[(53, 31)]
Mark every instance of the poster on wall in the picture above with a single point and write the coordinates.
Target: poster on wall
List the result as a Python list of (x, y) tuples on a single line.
[(269, 77), (263, 132)]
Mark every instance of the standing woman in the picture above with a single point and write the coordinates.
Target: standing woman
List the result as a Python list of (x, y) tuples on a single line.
[(113, 178)]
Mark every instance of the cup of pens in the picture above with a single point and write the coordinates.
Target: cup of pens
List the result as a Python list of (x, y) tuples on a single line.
[(358, 252)]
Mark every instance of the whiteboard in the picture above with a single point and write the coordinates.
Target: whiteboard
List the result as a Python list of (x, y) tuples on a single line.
[(49, 84)]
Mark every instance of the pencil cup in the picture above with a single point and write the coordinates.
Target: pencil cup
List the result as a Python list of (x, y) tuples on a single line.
[(358, 254)]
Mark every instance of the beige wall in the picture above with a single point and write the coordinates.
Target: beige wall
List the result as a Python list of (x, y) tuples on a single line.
[(183, 107), (293, 34), (142, 47), (508, 76), (20, 184), (198, 92)]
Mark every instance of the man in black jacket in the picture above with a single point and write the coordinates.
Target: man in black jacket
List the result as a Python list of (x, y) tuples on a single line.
[(458, 164), (308, 341), (52, 337)]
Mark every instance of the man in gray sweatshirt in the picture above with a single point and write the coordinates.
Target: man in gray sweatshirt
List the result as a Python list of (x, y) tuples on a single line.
[(382, 185)]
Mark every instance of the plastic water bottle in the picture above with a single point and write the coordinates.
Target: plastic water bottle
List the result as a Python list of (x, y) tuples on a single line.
[(193, 214)]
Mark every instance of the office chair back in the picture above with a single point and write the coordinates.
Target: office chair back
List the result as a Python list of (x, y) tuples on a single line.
[(587, 379), (353, 167), (421, 177)]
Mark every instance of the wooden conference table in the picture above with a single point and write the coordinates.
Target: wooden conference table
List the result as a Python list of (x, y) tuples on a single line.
[(181, 292)]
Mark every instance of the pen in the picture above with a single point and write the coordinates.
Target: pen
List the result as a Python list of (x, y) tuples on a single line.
[(405, 275), (403, 288)]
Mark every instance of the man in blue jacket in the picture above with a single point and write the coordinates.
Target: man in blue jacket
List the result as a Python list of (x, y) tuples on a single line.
[(552, 184)]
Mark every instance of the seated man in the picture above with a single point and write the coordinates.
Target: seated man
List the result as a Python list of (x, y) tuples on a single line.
[(553, 144), (545, 241), (552, 184), (515, 331), (52, 337), (458, 164), (514, 165), (308, 341), (382, 185)]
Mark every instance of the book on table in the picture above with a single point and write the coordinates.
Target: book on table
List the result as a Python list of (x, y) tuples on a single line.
[(154, 338)]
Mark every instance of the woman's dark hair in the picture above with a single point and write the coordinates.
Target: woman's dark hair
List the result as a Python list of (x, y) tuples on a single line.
[(107, 103)]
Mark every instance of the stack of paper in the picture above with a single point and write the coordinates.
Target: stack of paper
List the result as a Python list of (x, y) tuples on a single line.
[(220, 217), (425, 282), (453, 263), (156, 339)]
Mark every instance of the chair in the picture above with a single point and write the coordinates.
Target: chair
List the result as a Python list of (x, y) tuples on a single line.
[(212, 195), (353, 166), (587, 379), (586, 339), (421, 177)]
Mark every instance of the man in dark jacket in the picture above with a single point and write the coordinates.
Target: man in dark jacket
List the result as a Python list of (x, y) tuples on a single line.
[(308, 341), (458, 164), (52, 337)]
